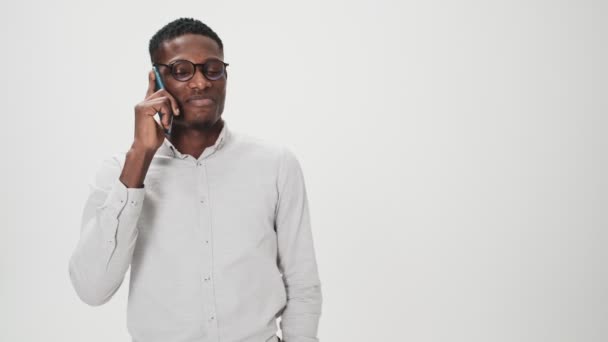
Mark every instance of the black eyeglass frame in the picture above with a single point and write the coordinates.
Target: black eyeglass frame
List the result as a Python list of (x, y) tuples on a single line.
[(195, 66)]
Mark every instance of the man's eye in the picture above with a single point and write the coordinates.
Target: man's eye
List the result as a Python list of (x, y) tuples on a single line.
[(181, 72)]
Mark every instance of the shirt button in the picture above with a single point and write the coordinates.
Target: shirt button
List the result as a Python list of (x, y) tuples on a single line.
[(212, 318)]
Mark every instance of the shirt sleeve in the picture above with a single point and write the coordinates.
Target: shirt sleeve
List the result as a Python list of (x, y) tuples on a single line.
[(297, 261), (108, 233)]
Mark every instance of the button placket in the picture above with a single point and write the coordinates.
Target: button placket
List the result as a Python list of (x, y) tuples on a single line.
[(205, 233)]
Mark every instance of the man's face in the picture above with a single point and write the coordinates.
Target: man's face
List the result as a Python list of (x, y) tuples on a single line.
[(197, 49)]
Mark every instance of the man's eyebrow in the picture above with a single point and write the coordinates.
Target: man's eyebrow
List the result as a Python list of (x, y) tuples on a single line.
[(185, 59)]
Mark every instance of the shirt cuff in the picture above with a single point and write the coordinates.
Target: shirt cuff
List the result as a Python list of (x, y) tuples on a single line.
[(122, 204)]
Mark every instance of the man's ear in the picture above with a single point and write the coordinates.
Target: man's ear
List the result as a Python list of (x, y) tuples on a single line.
[(226, 73)]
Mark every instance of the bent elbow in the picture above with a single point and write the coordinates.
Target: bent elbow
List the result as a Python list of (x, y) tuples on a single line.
[(89, 291), (92, 299)]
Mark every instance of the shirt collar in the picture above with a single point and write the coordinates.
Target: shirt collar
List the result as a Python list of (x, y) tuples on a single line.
[(168, 149)]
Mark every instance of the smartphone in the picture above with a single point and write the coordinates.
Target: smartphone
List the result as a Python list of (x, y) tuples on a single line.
[(161, 85)]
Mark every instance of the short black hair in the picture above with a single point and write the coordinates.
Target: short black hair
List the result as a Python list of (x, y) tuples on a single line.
[(178, 28)]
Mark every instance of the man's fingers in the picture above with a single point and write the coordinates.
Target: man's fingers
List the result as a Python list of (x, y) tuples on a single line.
[(174, 106), (165, 120), (164, 93), (168, 98), (161, 105), (151, 83), (166, 109)]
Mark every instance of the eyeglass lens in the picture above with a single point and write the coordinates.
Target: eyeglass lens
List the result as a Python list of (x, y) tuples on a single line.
[(184, 70)]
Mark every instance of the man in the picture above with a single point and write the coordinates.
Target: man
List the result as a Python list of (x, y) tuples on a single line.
[(214, 224)]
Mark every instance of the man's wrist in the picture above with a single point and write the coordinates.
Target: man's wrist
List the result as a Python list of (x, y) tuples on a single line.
[(136, 166)]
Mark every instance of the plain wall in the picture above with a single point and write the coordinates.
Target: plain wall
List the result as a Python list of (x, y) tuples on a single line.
[(454, 152)]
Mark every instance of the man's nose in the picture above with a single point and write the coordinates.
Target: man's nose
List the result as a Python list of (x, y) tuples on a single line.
[(199, 80)]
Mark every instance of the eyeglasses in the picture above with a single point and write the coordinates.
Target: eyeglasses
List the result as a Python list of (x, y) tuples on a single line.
[(183, 70)]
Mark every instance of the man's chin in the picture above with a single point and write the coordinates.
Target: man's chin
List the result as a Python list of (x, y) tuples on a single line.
[(200, 119)]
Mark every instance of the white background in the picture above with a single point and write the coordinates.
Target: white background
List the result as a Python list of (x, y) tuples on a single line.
[(455, 155)]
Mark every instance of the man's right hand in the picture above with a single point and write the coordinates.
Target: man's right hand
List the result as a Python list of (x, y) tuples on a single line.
[(149, 134)]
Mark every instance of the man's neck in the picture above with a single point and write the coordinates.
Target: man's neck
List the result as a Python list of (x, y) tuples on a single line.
[(194, 140)]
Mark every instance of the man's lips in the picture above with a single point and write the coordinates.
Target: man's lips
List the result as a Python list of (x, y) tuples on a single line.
[(200, 100)]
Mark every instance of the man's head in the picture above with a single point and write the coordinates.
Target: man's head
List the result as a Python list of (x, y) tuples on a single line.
[(191, 40)]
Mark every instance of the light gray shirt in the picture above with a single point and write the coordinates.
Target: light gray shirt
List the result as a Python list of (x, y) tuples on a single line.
[(219, 247)]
